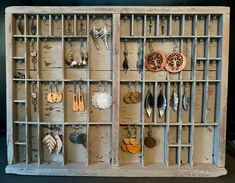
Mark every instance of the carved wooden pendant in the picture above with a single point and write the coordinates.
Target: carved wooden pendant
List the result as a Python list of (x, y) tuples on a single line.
[(175, 62), (155, 61)]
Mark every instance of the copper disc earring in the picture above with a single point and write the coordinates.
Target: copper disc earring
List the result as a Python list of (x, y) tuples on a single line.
[(176, 61), (154, 61)]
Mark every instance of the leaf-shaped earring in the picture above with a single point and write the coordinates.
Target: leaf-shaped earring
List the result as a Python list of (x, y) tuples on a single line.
[(94, 35), (149, 103), (139, 63), (125, 65), (33, 26), (174, 100), (161, 102), (186, 99), (20, 25)]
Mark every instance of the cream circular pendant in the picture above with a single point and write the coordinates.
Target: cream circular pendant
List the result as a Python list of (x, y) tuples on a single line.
[(101, 100)]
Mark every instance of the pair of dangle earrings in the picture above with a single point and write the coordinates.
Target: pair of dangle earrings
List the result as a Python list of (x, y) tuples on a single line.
[(100, 33), (173, 62)]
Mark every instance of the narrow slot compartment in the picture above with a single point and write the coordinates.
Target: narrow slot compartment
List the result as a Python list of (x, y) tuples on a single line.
[(96, 113), (56, 27), (164, 25), (32, 58), (211, 103), (31, 24), (99, 144), (18, 25), (19, 134), (76, 59), (173, 135), (151, 21), (201, 25), (19, 47), (129, 112), (75, 144), (203, 145), (18, 90), (132, 153), (100, 54), (186, 102), (172, 158), (68, 25), (44, 25), (19, 113), (161, 90), (185, 156), (174, 102), (156, 153), (20, 153), (185, 135), (187, 52), (33, 99), (75, 111), (176, 25), (214, 25), (51, 61), (138, 25), (125, 25), (188, 25), (132, 51), (81, 25), (51, 111), (198, 103), (33, 143), (149, 117)]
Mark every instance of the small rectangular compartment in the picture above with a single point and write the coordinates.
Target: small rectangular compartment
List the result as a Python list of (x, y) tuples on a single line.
[(151, 22), (198, 102), (49, 110), (44, 25), (97, 114), (19, 48), (32, 57), (185, 155), (20, 134), (176, 25), (72, 90), (185, 135), (214, 25), (81, 25), (155, 154), (33, 101), (138, 25), (201, 44), (134, 50), (18, 24), (203, 149), (173, 135), (31, 25), (19, 112), (188, 25), (19, 90), (33, 143), (201, 25), (211, 103), (172, 157), (75, 151), (164, 25), (56, 25), (76, 49), (213, 48), (20, 153), (68, 25), (99, 146), (128, 111), (125, 157), (51, 59), (126, 25)]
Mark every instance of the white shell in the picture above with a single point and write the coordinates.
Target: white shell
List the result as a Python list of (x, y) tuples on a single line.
[(101, 100)]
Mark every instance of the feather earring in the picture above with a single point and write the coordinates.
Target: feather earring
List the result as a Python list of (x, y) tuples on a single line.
[(149, 103), (125, 65), (174, 100), (161, 103), (186, 99)]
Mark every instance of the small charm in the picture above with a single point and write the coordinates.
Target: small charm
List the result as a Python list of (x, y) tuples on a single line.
[(175, 62), (34, 97), (81, 30), (78, 138), (69, 26), (174, 100), (139, 63), (149, 103), (150, 141), (101, 99), (186, 99), (161, 103), (163, 25), (125, 65), (33, 26), (33, 54), (20, 25), (154, 61), (150, 24), (57, 97), (19, 75)]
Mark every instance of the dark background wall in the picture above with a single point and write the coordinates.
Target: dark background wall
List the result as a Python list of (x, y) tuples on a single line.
[(5, 3)]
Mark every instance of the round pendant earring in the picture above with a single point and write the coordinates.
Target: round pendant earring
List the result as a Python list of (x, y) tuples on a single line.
[(127, 97), (50, 95), (135, 96), (149, 141), (57, 97), (154, 61), (176, 61)]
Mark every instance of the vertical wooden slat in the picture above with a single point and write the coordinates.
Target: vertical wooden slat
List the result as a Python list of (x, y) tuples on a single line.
[(115, 88), (50, 25), (132, 25)]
